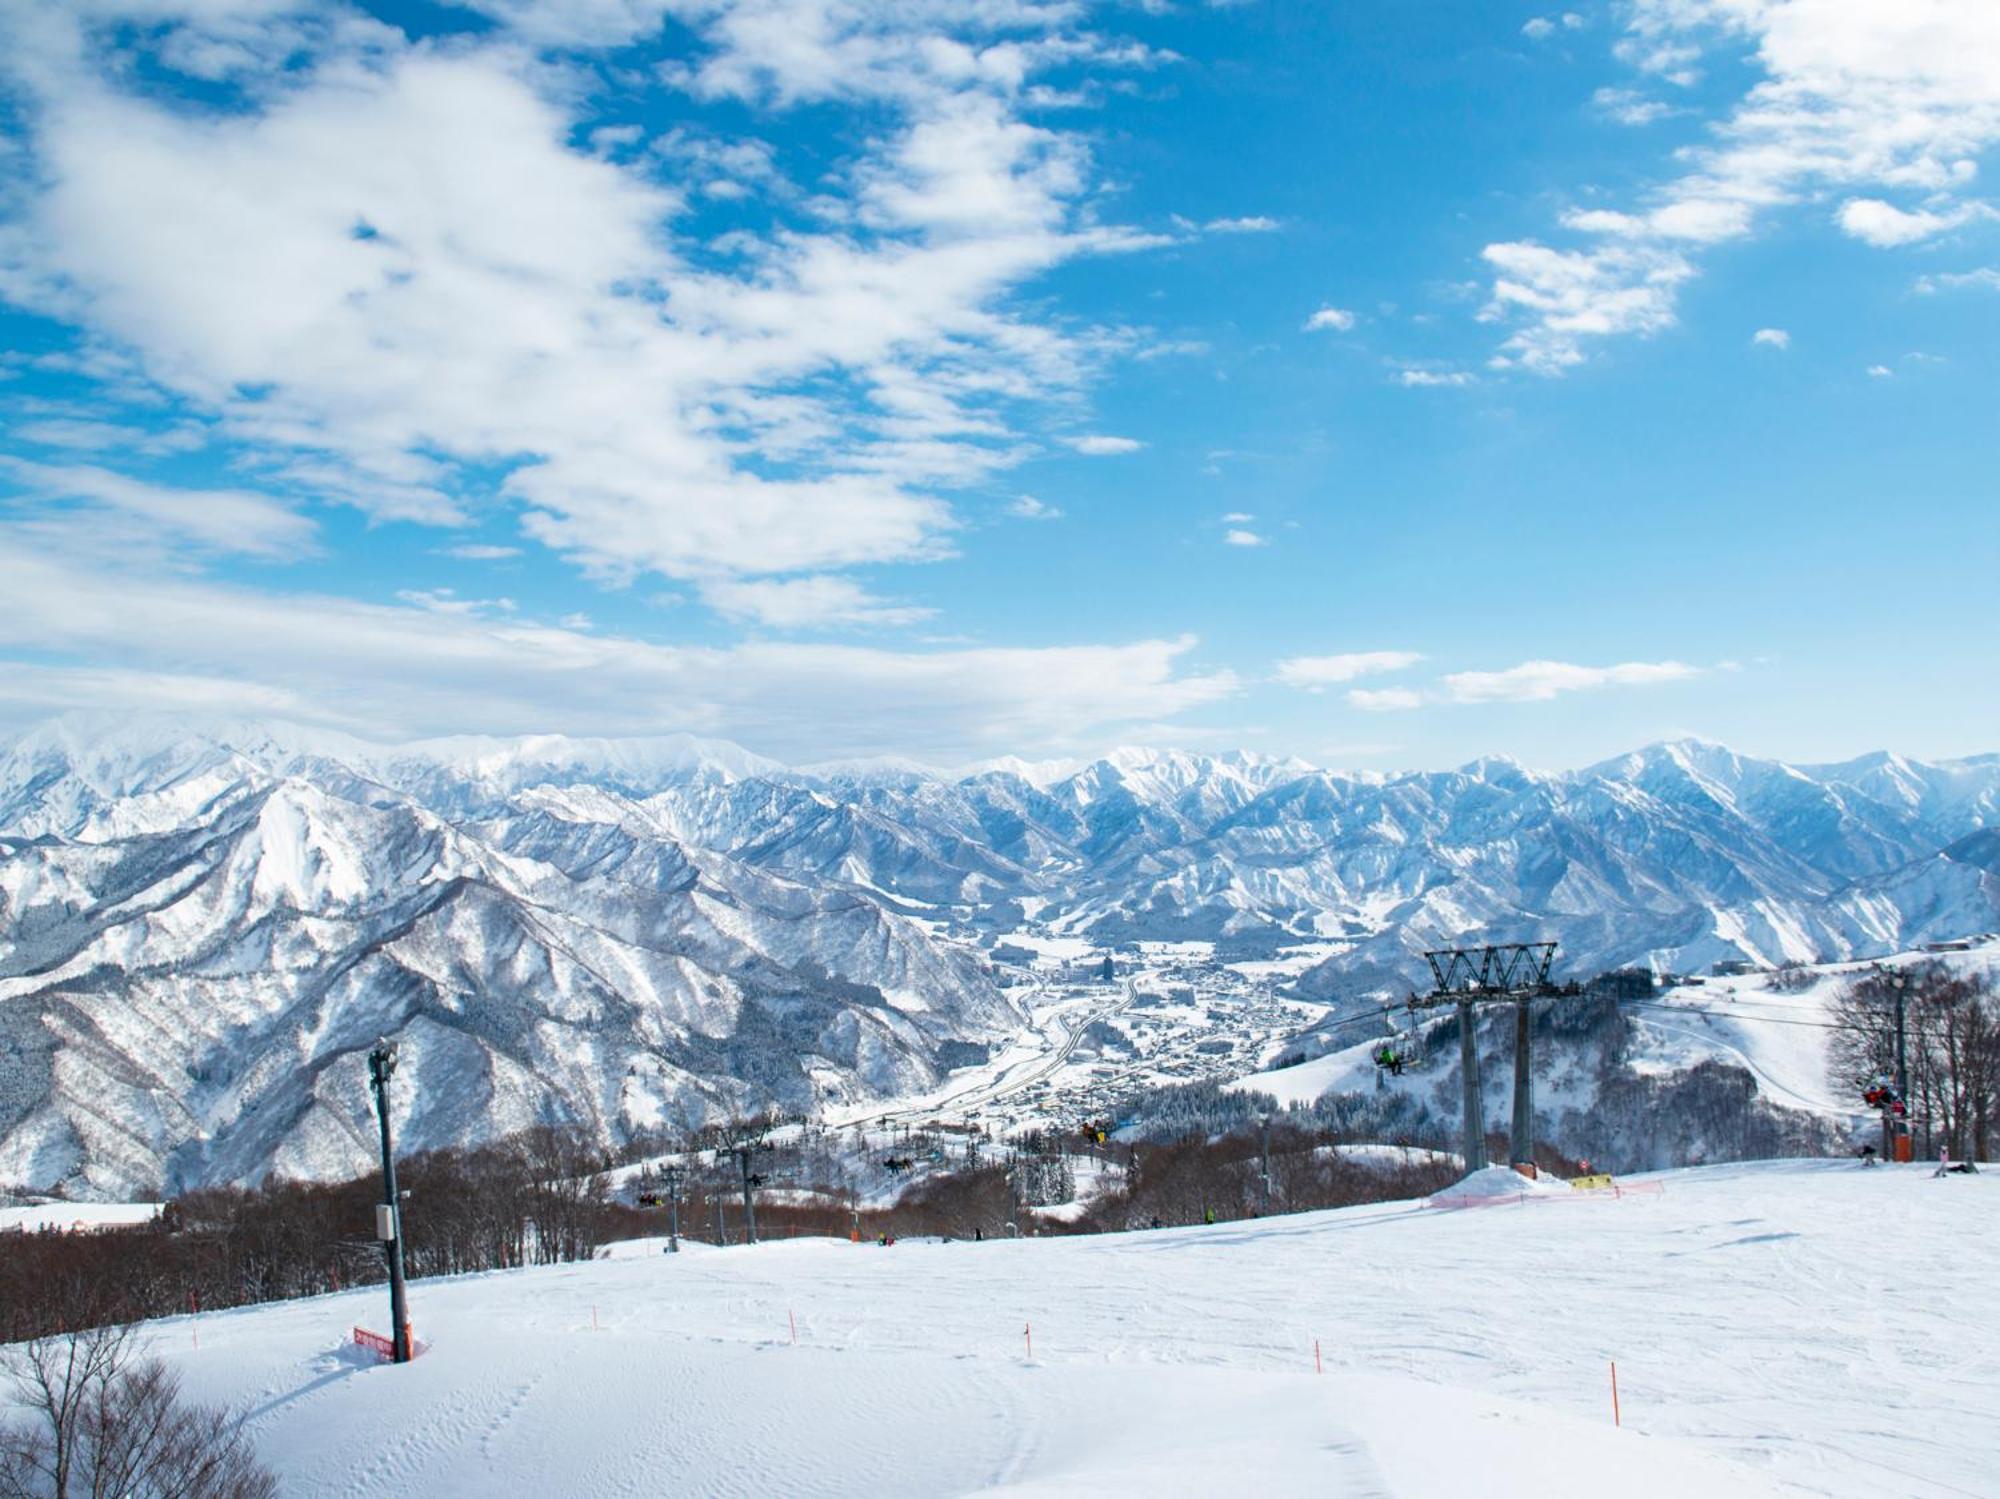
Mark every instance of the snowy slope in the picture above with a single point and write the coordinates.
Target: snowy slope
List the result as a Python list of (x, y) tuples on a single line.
[(1776, 1030), (1761, 1350)]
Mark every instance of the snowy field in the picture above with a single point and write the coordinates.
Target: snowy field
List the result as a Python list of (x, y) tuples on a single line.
[(76, 1217), (1787, 1328)]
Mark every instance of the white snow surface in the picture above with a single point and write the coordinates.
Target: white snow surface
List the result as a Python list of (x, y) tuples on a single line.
[(1500, 1183), (76, 1217), (1768, 1342)]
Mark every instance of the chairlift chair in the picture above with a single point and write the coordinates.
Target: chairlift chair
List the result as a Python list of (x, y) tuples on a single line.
[(1408, 1042)]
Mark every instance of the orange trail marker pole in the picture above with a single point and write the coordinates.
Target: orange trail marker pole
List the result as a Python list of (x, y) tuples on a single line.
[(1615, 1419), (1317, 1367), (792, 1317), (593, 1317), (1028, 1332)]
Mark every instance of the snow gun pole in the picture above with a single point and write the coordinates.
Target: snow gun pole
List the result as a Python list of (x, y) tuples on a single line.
[(389, 1217), (1901, 982)]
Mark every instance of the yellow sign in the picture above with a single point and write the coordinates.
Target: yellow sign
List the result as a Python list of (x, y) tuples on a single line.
[(1590, 1183)]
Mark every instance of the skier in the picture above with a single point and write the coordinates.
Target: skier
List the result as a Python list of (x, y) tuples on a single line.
[(1389, 1058)]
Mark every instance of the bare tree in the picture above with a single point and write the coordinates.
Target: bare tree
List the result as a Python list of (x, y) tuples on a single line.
[(565, 1190), (1952, 1041), (92, 1421)]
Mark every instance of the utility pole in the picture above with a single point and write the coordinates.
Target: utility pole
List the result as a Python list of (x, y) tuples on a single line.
[(749, 1197), (389, 1213), (1267, 1165), (1521, 1142), (1469, 977), (721, 1233), (673, 1209)]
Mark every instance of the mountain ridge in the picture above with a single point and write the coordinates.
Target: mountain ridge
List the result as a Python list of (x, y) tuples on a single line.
[(202, 929)]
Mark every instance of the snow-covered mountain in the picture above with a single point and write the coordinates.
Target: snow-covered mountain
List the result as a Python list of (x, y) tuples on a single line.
[(200, 937), (203, 927)]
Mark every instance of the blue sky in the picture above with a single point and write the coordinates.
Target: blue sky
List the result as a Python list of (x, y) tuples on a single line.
[(1386, 384)]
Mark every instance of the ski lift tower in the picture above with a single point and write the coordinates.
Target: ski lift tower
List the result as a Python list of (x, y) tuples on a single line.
[(1516, 973), (673, 1175)]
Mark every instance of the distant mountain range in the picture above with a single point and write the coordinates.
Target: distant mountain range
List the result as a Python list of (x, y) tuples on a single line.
[(203, 927)]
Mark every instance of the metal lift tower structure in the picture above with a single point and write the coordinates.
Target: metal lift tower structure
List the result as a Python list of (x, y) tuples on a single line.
[(1516, 973)]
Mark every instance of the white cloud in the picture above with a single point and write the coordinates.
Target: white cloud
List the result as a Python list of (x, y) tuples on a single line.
[(392, 670), (1630, 107), (1315, 672), (1538, 681), (1985, 277), (1880, 372), (1772, 338), (479, 551), (1098, 445), (407, 273), (806, 603), (1538, 28), (1334, 319), (1884, 225), (1027, 507), (1385, 699), (1237, 518), (89, 434), (1417, 378), (1244, 539), (1853, 97), (113, 510), (1573, 295), (447, 601), (1253, 224)]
